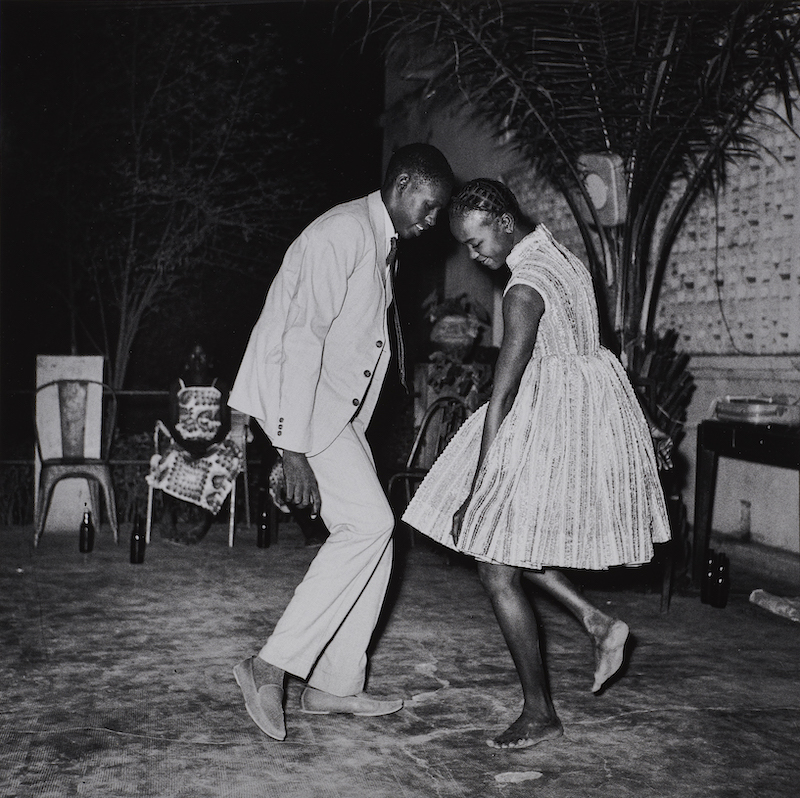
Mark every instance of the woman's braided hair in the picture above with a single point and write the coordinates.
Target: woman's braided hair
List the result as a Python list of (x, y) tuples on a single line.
[(489, 196)]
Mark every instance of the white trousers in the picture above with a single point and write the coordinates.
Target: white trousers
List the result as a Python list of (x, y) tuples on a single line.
[(324, 631)]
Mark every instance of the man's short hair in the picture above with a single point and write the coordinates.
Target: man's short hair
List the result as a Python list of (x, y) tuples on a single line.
[(422, 161)]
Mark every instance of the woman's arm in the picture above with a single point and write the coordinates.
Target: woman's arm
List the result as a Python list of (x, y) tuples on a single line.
[(523, 307)]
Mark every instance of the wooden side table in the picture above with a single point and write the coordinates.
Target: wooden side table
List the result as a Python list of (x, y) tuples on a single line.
[(771, 444)]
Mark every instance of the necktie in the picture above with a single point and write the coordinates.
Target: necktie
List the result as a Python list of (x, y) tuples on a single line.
[(394, 319)]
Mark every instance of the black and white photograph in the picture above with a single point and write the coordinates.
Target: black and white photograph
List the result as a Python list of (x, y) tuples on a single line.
[(399, 398)]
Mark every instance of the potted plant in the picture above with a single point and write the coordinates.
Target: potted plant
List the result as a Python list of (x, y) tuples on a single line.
[(456, 323), (471, 381), (456, 367)]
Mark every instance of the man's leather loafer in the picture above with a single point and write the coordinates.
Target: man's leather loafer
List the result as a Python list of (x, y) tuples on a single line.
[(317, 702), (263, 704)]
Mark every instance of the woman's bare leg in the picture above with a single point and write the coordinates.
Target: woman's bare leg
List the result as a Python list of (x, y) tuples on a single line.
[(538, 721), (608, 634)]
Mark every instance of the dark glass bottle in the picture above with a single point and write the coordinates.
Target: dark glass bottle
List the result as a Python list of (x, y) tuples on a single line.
[(263, 532), (137, 541), (721, 584), (707, 579), (86, 533)]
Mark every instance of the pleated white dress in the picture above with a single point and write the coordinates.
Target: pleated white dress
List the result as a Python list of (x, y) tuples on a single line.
[(571, 479)]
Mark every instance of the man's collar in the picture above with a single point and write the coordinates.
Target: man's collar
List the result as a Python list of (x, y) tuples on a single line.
[(380, 219), (390, 231)]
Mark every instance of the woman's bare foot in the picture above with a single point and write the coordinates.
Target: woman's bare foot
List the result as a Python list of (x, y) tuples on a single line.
[(609, 636), (526, 731)]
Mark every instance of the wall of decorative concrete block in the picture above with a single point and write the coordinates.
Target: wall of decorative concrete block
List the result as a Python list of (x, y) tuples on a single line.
[(733, 281), (548, 206)]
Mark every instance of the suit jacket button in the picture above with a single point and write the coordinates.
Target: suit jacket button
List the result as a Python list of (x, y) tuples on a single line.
[(355, 402), (279, 432), (367, 373), (379, 344), (281, 420)]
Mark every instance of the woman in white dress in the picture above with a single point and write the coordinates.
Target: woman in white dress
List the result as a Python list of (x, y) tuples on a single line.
[(558, 469)]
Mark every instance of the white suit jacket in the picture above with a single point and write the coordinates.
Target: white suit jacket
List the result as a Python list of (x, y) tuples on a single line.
[(318, 353)]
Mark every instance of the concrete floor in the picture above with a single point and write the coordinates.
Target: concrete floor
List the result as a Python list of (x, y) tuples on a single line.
[(117, 682)]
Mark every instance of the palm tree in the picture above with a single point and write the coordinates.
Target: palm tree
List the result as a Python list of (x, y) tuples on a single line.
[(668, 90)]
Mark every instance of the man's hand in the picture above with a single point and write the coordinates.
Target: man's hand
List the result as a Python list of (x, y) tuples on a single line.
[(301, 484)]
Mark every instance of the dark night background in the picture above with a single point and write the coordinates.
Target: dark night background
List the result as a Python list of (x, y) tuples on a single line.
[(333, 79)]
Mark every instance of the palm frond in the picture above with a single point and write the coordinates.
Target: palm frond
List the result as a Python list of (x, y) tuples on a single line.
[(672, 86)]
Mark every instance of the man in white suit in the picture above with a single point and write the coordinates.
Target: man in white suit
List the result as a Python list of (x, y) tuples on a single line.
[(311, 375)]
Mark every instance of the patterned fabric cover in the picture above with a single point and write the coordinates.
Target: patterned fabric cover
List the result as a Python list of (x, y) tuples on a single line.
[(205, 481)]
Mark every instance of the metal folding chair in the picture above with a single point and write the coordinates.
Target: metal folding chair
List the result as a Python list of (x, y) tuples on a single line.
[(72, 461), (440, 422)]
